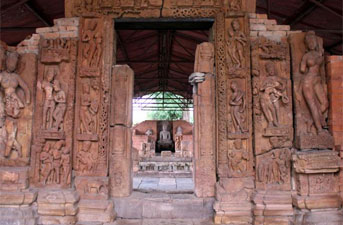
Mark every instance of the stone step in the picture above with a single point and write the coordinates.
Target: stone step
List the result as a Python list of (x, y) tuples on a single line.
[(163, 222), (15, 216), (163, 206)]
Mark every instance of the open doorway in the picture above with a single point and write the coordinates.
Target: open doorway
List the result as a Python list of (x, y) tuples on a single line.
[(161, 53)]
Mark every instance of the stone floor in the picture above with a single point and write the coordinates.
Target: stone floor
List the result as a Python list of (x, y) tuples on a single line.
[(163, 222), (165, 185)]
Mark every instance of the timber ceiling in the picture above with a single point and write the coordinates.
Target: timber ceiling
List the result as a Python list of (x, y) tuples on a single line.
[(163, 60)]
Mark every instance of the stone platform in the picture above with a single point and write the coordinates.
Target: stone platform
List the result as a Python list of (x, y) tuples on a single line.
[(162, 222), (163, 185), (149, 206)]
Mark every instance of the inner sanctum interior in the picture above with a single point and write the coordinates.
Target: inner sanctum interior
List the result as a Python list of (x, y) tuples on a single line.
[(162, 55)]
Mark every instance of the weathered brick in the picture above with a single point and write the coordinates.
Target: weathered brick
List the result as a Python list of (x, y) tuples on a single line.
[(71, 34), (43, 30), (51, 35), (258, 27), (67, 21), (273, 35), (261, 16), (252, 15), (278, 27)]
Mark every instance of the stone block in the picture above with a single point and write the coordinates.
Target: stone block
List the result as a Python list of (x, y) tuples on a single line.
[(57, 203), (261, 16), (53, 220), (96, 188), (67, 21), (14, 216), (275, 27), (17, 198), (317, 201), (96, 211), (325, 161), (13, 179), (258, 27)]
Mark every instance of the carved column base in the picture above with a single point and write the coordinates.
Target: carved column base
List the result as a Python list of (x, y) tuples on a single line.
[(57, 207), (233, 205), (316, 180), (273, 207)]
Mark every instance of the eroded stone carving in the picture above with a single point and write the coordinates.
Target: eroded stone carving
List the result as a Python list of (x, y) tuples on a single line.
[(15, 97), (272, 97), (235, 47), (273, 170), (54, 106), (310, 91), (204, 58), (54, 163), (238, 108)]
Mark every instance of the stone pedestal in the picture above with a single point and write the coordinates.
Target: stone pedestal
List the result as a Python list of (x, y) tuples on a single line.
[(57, 207), (317, 185), (96, 211), (233, 201)]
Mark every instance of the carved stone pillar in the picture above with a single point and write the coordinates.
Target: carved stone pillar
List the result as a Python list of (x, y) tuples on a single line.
[(273, 130), (234, 120), (120, 131), (204, 138), (54, 105), (316, 171)]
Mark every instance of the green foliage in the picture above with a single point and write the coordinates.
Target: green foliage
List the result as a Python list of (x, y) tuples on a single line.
[(168, 108)]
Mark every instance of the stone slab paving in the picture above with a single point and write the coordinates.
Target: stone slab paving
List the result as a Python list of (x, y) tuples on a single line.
[(162, 222), (167, 185)]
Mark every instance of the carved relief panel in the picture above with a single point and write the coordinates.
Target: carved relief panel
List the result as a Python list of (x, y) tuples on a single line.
[(272, 95), (273, 170), (17, 78), (54, 113), (238, 99), (90, 153), (310, 92)]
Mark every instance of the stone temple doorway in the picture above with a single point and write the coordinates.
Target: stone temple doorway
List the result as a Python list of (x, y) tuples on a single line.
[(161, 54)]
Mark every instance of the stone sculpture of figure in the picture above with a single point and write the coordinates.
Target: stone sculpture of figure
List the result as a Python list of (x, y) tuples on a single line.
[(88, 111), (65, 162), (237, 109), (84, 157), (178, 138), (56, 164), (10, 81), (235, 45), (312, 87), (49, 101), (46, 160), (204, 58), (59, 112), (238, 159), (165, 137), (272, 92), (90, 39)]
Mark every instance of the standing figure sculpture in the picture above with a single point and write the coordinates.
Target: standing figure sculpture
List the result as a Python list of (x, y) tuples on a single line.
[(59, 112), (273, 91), (49, 102), (235, 45), (237, 109), (178, 139), (12, 104), (89, 110), (312, 86)]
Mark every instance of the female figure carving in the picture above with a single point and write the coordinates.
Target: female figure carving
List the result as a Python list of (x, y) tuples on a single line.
[(311, 86), (49, 102), (237, 103), (273, 91)]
